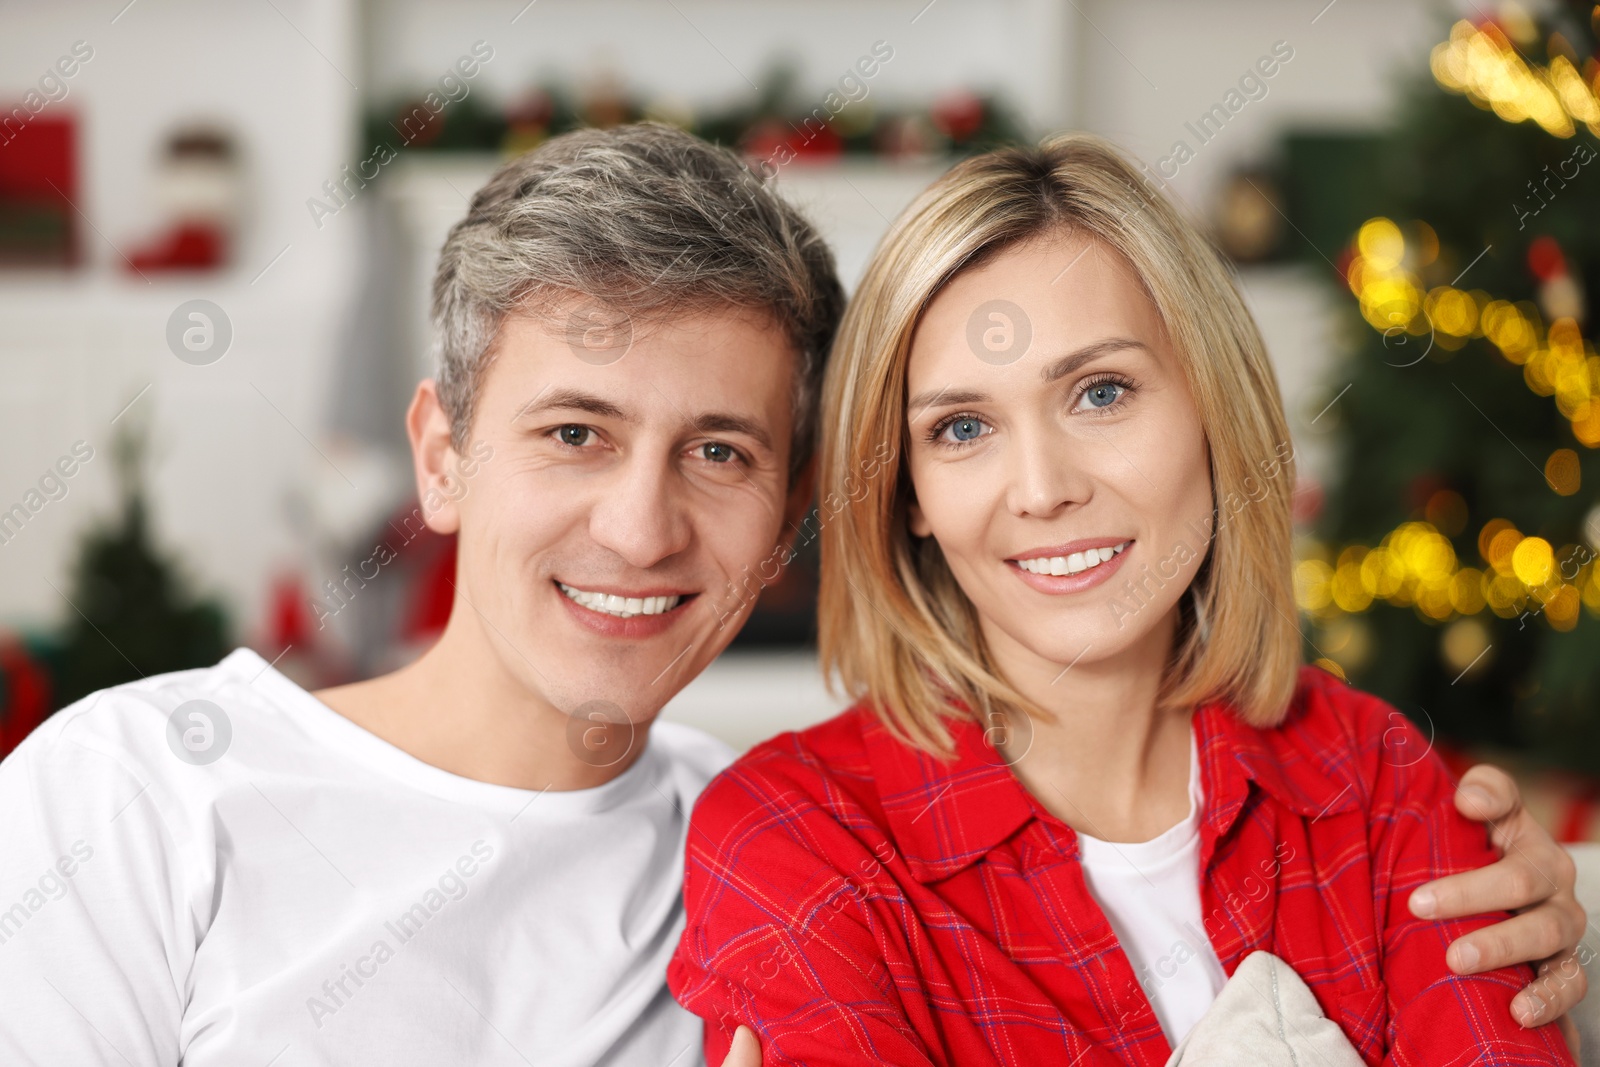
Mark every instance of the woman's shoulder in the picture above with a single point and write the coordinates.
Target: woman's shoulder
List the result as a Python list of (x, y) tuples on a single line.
[(1336, 717), (822, 773), (1341, 737)]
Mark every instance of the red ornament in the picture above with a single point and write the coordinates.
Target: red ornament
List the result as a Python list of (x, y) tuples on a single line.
[(1342, 264), (434, 591), (1421, 490), (1545, 259), (958, 115), (288, 620), (24, 693), (191, 245), (814, 140)]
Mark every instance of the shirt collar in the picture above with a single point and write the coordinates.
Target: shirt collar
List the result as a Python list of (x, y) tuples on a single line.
[(947, 814), (1288, 762)]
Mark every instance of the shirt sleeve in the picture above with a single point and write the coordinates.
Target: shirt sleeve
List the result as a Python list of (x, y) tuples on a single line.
[(1434, 1015), (92, 939), (783, 940)]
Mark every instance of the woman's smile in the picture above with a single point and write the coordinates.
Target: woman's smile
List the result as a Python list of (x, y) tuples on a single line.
[(1071, 568)]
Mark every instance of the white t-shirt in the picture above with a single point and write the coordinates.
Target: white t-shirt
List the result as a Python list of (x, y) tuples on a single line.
[(1150, 892), (314, 895)]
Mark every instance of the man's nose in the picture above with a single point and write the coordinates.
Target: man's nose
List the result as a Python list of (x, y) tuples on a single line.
[(640, 514)]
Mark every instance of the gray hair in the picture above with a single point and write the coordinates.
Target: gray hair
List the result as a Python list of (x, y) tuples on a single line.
[(644, 221)]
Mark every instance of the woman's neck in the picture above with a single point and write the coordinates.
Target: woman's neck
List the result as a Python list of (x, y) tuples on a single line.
[(1107, 762)]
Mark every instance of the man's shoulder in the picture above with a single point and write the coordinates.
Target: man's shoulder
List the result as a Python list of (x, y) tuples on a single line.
[(185, 716), (692, 752)]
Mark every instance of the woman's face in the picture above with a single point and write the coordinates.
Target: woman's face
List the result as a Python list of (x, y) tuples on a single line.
[(1056, 454)]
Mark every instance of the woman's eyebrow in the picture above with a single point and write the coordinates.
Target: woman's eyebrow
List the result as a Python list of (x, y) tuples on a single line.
[(1072, 361), (1051, 372), (929, 397)]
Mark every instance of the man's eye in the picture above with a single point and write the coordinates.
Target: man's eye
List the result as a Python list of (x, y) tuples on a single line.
[(717, 452), (574, 435)]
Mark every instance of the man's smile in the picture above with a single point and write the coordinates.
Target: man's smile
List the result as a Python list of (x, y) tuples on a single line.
[(623, 605)]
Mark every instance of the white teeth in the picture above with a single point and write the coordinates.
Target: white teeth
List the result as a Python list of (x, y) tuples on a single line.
[(622, 607), (1078, 561)]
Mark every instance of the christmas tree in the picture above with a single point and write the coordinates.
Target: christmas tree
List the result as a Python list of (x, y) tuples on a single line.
[(1453, 572), (131, 616)]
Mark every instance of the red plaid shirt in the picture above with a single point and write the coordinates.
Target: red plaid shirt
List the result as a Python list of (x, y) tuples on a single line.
[(855, 900)]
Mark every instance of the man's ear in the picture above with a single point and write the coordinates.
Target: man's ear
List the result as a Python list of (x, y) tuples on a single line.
[(434, 459)]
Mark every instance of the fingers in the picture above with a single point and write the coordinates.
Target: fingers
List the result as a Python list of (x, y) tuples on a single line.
[(1538, 934), (745, 1050), (1559, 987), (1510, 884), (1487, 793)]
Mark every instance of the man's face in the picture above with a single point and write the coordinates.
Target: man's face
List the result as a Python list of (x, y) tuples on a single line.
[(605, 548)]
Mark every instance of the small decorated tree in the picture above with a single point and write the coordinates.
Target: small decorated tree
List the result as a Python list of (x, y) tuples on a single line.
[(1455, 571)]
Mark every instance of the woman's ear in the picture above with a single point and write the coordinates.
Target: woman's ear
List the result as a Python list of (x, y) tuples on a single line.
[(434, 459)]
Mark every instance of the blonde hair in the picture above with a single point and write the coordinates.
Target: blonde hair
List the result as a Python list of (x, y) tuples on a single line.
[(894, 626)]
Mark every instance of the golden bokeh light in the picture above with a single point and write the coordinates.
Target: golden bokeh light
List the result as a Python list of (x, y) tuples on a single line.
[(1562, 472)]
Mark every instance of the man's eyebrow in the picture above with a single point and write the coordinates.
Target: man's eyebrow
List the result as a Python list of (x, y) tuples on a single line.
[(1052, 372), (727, 422), (571, 400), (1064, 366), (589, 403)]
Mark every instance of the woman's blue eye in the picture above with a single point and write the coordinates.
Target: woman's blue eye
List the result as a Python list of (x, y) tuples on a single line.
[(966, 429), (1104, 394), (574, 435)]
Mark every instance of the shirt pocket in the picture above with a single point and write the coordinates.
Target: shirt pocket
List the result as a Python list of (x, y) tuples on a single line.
[(1363, 1015)]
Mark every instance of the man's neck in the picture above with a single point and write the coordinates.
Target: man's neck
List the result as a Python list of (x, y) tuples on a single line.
[(460, 708)]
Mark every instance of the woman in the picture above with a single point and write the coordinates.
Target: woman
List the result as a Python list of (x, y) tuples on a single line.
[(1089, 773)]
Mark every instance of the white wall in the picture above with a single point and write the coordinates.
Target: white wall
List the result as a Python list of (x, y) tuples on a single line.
[(76, 347), (706, 52), (1192, 54)]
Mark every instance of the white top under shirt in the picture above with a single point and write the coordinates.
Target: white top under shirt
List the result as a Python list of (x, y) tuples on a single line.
[(316, 896), (1150, 893)]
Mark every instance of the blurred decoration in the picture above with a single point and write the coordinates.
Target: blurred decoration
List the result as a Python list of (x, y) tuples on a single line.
[(26, 695), (131, 616), (777, 123), (199, 192), (1249, 220), (38, 184), (1461, 537)]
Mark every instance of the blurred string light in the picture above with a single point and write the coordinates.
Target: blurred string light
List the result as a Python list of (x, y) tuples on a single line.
[(1416, 566), (1555, 361), (1521, 577), (1481, 62)]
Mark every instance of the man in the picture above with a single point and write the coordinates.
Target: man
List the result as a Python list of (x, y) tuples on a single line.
[(477, 859)]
